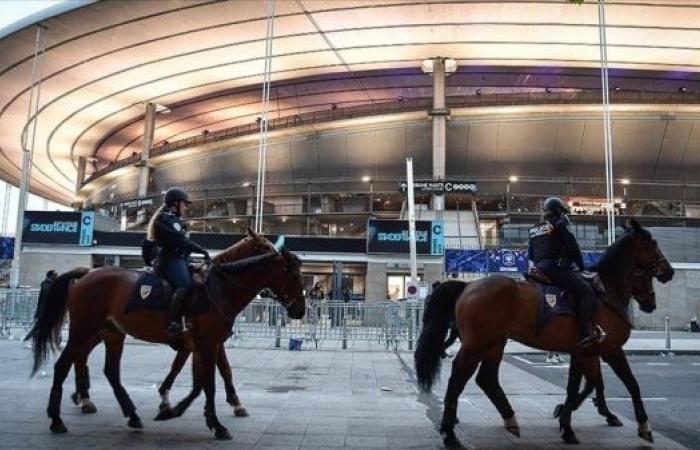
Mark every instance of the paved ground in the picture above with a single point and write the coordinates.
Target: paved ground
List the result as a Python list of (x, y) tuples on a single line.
[(669, 385), (297, 400)]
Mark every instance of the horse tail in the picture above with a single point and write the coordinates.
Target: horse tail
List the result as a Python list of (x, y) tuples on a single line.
[(46, 330), (439, 311)]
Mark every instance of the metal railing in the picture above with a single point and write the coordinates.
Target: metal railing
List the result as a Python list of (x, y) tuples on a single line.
[(17, 308), (387, 324)]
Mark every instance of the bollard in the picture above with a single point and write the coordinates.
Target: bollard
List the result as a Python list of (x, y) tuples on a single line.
[(410, 328), (345, 329), (668, 333), (278, 331)]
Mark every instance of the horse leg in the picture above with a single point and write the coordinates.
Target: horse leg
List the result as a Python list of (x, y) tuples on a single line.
[(602, 405), (463, 367), (225, 371), (114, 346), (60, 372), (487, 380), (589, 366), (164, 389), (207, 367), (619, 364), (197, 383), (81, 396)]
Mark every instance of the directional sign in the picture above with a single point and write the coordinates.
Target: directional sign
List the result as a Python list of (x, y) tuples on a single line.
[(439, 187)]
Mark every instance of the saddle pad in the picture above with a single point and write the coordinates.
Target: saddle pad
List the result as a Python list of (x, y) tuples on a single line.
[(149, 293), (552, 302)]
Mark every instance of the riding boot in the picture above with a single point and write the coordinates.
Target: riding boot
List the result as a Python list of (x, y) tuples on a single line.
[(586, 332), (175, 328)]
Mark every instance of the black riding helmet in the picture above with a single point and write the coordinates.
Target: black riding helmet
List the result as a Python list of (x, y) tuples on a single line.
[(555, 206), (175, 194)]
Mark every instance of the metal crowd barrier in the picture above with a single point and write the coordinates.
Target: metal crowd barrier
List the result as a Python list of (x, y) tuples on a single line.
[(391, 325), (327, 324), (17, 308)]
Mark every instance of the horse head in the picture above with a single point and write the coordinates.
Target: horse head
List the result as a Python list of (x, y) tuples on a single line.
[(648, 263), (283, 270)]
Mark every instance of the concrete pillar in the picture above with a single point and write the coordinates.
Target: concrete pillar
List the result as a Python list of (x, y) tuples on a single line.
[(82, 164), (375, 281), (439, 117), (148, 130), (144, 169)]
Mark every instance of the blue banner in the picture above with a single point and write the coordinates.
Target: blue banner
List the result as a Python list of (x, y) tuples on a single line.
[(7, 247), (87, 221), (466, 261), (496, 260), (505, 260)]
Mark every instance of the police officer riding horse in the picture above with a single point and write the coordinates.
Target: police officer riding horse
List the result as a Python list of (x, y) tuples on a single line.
[(168, 233), (555, 253)]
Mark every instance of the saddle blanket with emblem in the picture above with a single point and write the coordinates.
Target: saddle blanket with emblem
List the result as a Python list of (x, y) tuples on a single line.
[(149, 293), (553, 301)]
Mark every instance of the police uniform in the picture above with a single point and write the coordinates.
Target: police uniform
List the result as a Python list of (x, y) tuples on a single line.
[(554, 251), (175, 247)]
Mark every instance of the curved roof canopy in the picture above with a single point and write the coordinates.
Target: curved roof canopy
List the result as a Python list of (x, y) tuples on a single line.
[(204, 60)]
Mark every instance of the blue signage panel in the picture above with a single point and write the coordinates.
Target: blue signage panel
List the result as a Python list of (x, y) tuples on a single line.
[(505, 260), (87, 222), (58, 227), (391, 236)]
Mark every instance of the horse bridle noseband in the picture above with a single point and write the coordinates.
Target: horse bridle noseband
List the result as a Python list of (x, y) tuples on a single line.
[(655, 270)]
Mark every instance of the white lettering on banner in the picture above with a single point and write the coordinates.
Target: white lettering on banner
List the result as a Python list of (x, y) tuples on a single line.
[(55, 227), (421, 236)]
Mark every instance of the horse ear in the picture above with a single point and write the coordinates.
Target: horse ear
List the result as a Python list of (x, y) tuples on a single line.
[(252, 233), (635, 225), (279, 244)]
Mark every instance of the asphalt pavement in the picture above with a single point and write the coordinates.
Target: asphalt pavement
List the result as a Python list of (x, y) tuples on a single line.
[(670, 388)]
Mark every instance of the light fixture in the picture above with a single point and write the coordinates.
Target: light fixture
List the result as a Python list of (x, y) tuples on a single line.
[(548, 90), (478, 91), (162, 109), (284, 219), (513, 178), (450, 65), (683, 89), (246, 184), (366, 179), (625, 181), (617, 88), (234, 220), (400, 98)]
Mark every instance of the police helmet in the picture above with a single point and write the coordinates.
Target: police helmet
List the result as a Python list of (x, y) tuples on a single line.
[(555, 205), (175, 194)]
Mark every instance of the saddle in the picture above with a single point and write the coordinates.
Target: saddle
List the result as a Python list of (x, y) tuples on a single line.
[(555, 301), (153, 292)]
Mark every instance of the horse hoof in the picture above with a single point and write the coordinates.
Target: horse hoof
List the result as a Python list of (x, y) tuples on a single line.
[(57, 427), (613, 421), (515, 431), (557, 411), (569, 437), (222, 434), (646, 435), (135, 422), (240, 411), (75, 397), (88, 408), (164, 414)]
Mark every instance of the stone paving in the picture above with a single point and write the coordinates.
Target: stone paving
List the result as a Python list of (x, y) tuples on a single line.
[(297, 400)]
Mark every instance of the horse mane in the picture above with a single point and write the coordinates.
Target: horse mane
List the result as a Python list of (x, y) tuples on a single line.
[(229, 255), (612, 259)]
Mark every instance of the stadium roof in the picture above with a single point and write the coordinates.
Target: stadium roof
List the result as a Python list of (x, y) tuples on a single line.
[(204, 60)]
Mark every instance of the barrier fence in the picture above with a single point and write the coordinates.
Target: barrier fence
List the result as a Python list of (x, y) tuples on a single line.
[(327, 324)]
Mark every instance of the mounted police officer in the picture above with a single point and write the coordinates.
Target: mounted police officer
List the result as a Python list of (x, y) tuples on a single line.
[(554, 251), (171, 236)]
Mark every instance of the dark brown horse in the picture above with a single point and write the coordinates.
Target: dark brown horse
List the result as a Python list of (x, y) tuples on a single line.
[(491, 310), (96, 302), (249, 246)]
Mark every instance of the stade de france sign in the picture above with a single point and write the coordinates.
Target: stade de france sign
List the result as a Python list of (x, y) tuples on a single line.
[(439, 187)]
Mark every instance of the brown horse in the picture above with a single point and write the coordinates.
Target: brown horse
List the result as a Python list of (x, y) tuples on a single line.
[(249, 246), (96, 303), (491, 310)]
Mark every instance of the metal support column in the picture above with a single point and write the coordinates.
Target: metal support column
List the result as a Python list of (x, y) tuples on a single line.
[(28, 149), (607, 130), (144, 169), (439, 117)]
